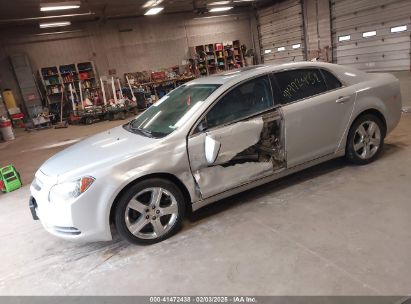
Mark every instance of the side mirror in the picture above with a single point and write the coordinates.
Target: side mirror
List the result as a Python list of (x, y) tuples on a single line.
[(212, 147), (202, 126)]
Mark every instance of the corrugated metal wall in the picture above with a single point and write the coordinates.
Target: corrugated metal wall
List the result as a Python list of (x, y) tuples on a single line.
[(281, 31), (386, 48)]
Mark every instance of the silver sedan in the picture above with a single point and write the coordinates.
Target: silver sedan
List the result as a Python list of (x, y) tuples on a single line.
[(209, 139)]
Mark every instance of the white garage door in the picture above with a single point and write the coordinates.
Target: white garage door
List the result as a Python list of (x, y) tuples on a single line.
[(281, 32), (372, 35)]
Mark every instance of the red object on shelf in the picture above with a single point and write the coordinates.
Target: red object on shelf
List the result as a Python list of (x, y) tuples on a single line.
[(83, 75), (218, 46), (158, 76)]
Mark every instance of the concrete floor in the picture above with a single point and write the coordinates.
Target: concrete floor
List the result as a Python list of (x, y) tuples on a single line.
[(333, 229)]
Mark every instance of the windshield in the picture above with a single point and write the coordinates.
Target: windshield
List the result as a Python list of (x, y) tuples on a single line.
[(171, 111)]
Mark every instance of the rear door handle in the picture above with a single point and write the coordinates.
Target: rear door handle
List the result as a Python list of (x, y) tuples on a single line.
[(343, 99)]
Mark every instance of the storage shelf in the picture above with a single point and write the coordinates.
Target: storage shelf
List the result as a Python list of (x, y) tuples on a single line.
[(218, 57), (63, 72)]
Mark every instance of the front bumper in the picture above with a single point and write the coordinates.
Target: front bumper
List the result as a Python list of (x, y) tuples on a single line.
[(83, 219)]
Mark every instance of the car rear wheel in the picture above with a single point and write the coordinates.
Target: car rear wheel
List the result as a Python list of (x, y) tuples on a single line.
[(150, 211), (365, 139)]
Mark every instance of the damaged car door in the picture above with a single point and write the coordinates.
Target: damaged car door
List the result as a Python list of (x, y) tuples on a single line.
[(239, 140)]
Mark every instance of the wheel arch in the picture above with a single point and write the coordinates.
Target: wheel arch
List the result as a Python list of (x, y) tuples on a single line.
[(167, 176), (374, 112)]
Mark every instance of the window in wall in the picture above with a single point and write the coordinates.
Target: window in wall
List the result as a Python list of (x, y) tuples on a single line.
[(397, 29), (331, 81), (344, 38), (298, 84), (245, 100), (369, 34)]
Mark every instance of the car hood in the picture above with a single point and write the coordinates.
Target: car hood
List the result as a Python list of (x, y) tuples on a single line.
[(101, 149)]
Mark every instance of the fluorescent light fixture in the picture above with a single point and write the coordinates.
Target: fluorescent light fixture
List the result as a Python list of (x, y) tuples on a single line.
[(369, 34), (344, 38), (280, 49), (57, 6), (219, 3), (296, 46), (151, 3), (220, 9), (54, 24), (397, 29), (154, 10), (267, 51), (56, 33)]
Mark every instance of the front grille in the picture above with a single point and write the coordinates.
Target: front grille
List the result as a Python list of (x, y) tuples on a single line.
[(67, 230)]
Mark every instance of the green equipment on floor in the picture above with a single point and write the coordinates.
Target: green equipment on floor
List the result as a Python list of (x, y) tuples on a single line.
[(9, 179)]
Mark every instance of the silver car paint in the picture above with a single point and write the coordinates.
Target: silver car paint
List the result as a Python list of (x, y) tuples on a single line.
[(116, 157)]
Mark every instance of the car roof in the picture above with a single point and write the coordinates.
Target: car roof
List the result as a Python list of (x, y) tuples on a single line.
[(238, 75)]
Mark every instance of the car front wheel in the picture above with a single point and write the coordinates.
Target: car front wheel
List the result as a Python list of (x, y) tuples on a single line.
[(149, 211), (365, 139)]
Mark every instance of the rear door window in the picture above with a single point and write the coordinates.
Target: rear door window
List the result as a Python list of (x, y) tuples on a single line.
[(298, 84), (331, 81)]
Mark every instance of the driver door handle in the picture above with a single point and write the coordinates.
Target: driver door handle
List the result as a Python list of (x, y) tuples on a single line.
[(343, 99)]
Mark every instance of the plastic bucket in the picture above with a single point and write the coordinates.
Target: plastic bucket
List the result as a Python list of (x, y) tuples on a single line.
[(6, 130)]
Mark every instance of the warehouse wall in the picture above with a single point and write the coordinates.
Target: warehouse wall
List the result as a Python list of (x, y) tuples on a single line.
[(318, 29), (127, 45)]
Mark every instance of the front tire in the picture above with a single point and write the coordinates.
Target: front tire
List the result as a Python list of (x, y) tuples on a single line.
[(365, 140), (149, 211)]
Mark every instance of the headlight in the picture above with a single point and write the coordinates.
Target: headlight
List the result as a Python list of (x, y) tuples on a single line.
[(68, 191)]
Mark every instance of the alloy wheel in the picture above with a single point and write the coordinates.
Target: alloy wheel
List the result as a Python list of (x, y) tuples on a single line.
[(367, 139), (151, 213)]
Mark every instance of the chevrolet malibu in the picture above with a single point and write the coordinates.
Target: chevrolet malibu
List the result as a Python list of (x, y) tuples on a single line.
[(208, 139)]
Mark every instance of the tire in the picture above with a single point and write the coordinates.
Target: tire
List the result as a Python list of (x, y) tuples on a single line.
[(362, 146), (153, 220), (89, 120), (121, 115)]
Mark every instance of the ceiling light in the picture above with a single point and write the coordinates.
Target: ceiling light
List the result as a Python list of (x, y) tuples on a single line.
[(267, 51), (154, 10), (296, 46), (397, 29), (219, 3), (151, 3), (54, 24), (369, 34), (220, 9), (344, 38), (280, 49), (57, 6)]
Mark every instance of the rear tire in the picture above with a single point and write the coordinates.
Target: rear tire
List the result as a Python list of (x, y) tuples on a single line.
[(365, 140), (149, 211)]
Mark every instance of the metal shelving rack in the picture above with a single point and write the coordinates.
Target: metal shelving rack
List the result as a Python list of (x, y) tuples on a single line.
[(218, 57)]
